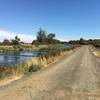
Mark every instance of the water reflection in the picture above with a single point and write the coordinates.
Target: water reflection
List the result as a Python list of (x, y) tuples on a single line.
[(16, 57)]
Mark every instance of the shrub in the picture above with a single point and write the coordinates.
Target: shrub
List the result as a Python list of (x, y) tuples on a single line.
[(34, 68)]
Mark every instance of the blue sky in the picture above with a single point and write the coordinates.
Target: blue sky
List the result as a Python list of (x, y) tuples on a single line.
[(69, 19)]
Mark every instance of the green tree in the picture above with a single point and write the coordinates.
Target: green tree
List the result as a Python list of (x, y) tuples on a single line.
[(44, 38), (83, 42), (50, 38), (6, 42), (41, 36), (16, 41)]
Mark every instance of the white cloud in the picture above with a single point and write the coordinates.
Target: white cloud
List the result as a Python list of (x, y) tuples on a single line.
[(61, 39), (10, 35)]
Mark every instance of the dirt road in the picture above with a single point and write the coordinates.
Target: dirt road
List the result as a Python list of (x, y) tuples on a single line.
[(74, 78)]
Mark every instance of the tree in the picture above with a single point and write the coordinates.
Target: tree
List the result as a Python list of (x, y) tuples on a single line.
[(50, 38), (41, 36), (16, 41), (83, 42), (44, 38), (6, 42)]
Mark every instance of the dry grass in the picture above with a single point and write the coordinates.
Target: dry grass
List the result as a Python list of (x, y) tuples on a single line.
[(96, 52), (4, 48)]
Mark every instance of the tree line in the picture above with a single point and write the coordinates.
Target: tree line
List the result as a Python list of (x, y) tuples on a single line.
[(15, 41), (42, 37), (95, 42)]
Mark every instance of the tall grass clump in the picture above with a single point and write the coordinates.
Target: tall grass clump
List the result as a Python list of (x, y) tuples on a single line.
[(49, 54), (31, 69), (7, 71)]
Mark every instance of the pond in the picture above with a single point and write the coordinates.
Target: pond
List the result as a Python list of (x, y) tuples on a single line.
[(16, 57), (64, 46)]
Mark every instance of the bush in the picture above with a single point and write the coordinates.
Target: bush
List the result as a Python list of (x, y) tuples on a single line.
[(34, 68), (31, 69), (49, 52)]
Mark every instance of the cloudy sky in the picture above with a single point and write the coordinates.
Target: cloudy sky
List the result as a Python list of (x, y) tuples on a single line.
[(69, 19), (11, 35)]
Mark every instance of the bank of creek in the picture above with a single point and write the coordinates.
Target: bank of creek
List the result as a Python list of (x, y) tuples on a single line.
[(16, 64)]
